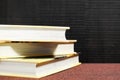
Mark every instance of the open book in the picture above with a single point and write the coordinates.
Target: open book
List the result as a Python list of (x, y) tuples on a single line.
[(9, 49)]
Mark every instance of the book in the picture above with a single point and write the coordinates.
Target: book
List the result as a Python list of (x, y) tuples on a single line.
[(9, 49), (32, 33), (36, 68)]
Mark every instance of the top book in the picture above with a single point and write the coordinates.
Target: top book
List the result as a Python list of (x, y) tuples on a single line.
[(32, 33)]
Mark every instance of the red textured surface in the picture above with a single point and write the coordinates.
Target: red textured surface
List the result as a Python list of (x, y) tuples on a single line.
[(82, 72)]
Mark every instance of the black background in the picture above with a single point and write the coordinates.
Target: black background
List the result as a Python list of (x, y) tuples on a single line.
[(94, 23)]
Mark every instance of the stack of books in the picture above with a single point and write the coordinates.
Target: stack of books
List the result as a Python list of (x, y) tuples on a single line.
[(35, 51)]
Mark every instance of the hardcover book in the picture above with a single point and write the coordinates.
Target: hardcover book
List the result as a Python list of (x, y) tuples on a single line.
[(32, 33), (36, 67)]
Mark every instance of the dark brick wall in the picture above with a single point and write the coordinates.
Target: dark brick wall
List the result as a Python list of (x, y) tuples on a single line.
[(3, 12), (94, 23), (102, 19), (38, 12)]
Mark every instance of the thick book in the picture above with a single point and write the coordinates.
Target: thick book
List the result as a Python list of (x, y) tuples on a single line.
[(36, 67), (32, 33), (9, 49)]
